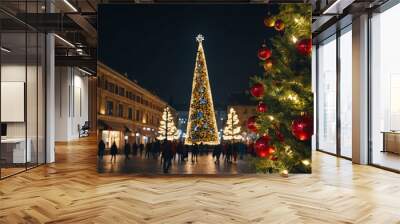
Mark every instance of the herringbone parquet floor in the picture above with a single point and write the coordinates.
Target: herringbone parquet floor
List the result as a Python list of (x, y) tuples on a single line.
[(71, 191)]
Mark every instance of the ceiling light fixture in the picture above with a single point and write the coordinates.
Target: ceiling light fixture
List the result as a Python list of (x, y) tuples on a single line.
[(337, 7), (70, 5), (5, 50), (64, 40)]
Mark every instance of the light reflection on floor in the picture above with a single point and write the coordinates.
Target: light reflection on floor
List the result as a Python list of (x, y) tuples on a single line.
[(204, 165)]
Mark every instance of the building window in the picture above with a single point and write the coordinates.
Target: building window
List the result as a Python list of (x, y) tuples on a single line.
[(109, 108), (105, 84), (130, 114), (110, 87), (385, 89), (144, 118), (100, 82), (327, 95), (120, 110), (346, 93), (121, 91), (138, 115)]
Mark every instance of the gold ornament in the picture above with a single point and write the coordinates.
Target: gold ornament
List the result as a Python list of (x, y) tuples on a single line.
[(269, 22), (279, 25), (268, 65)]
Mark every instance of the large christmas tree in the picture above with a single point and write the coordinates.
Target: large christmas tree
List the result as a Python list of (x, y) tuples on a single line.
[(202, 126), (284, 120)]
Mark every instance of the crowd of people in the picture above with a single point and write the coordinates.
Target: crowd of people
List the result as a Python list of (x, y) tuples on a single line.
[(168, 151)]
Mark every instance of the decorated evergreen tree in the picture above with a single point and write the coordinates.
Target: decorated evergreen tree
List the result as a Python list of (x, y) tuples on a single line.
[(167, 129), (232, 128), (285, 129), (202, 126)]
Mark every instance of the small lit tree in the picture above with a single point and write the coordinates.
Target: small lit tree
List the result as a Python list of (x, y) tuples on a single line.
[(167, 129), (232, 128)]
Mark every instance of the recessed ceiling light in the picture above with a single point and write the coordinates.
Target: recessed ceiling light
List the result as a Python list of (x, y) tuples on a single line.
[(84, 71)]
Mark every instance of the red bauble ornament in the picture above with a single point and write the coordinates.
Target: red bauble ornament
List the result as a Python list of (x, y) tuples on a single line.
[(304, 46), (262, 146), (252, 124), (262, 107), (257, 90), (264, 53), (279, 25), (302, 128)]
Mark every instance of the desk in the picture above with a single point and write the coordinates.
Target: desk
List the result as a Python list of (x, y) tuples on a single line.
[(13, 150), (391, 141)]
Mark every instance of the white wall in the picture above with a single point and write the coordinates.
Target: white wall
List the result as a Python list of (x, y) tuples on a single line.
[(71, 103)]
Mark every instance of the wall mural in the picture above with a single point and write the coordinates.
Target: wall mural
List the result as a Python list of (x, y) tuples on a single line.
[(173, 88)]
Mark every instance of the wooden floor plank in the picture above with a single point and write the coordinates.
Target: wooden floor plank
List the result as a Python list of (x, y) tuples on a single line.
[(71, 191)]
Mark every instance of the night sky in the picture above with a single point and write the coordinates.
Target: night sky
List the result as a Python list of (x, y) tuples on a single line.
[(155, 45)]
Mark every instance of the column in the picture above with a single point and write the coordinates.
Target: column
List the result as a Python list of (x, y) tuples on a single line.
[(360, 90)]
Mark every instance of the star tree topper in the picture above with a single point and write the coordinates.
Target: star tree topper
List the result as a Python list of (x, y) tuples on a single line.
[(200, 38)]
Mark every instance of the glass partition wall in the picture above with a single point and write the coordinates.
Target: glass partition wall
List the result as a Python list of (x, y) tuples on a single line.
[(327, 95), (22, 116), (345, 91), (334, 94), (385, 89)]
